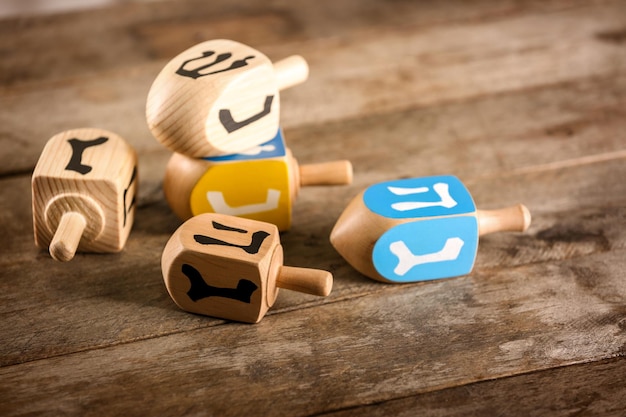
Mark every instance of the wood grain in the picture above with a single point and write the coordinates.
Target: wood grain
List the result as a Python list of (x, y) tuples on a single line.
[(524, 57)]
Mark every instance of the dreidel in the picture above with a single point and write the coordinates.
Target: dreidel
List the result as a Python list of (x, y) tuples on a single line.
[(83, 188), (219, 97), (418, 229), (231, 268), (261, 184)]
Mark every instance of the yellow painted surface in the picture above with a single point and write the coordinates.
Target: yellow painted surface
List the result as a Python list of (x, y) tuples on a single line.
[(257, 190)]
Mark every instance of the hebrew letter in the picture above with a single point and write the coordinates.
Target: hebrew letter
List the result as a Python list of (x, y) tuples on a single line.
[(220, 205), (195, 73), (200, 289), (78, 147), (257, 150), (407, 260), (226, 118), (255, 244), (128, 207), (441, 188)]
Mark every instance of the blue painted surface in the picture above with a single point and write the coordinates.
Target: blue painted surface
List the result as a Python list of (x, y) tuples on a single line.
[(277, 145), (424, 241), (442, 195)]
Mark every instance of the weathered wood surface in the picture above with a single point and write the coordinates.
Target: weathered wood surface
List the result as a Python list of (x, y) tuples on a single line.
[(524, 101)]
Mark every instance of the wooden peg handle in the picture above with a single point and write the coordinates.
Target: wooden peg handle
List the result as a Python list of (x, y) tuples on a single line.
[(326, 173), (510, 219), (291, 71), (67, 236), (306, 280)]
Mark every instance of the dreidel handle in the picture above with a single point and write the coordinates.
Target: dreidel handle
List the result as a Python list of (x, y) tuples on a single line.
[(67, 236), (326, 173), (306, 280), (509, 219), (291, 71)]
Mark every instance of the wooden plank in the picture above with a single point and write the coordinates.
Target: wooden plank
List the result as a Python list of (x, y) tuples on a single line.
[(398, 342), (367, 74), (588, 389), (56, 48), (105, 301)]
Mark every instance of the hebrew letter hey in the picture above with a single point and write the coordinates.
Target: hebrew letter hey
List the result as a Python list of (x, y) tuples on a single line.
[(441, 188)]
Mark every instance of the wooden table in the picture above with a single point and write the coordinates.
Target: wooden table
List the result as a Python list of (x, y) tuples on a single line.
[(525, 101)]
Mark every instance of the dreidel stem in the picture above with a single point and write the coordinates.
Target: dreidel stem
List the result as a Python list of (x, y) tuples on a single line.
[(306, 280), (291, 71), (326, 173), (509, 219), (67, 236)]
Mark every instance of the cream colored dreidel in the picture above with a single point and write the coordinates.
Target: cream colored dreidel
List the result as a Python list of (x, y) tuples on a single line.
[(418, 229), (84, 187), (261, 184), (231, 268), (219, 97)]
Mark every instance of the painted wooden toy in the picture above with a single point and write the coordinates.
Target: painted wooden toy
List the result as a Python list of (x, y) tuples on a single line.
[(260, 184), (219, 97), (231, 268), (418, 229), (84, 188)]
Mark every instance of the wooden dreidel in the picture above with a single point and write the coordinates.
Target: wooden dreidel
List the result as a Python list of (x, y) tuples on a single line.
[(260, 184), (219, 97), (418, 229), (84, 187), (228, 267)]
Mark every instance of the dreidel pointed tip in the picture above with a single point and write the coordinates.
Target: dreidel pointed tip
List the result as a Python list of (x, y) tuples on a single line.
[(306, 280), (67, 237)]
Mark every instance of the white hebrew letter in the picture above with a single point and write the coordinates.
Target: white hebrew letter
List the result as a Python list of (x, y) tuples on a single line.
[(407, 260), (258, 149), (407, 191), (441, 188), (216, 198)]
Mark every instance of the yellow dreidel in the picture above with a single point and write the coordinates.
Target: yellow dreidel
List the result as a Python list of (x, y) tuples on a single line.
[(231, 268), (219, 97), (260, 185), (84, 188)]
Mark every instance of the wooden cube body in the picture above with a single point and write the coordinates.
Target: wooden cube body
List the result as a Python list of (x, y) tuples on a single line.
[(215, 98), (223, 266), (410, 230), (91, 172), (260, 184)]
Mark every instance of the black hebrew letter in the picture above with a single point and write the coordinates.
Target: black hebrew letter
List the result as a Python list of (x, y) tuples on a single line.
[(226, 118), (200, 289), (254, 246), (127, 208), (195, 73), (78, 146)]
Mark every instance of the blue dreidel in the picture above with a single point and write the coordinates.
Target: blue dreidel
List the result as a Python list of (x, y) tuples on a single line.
[(418, 229)]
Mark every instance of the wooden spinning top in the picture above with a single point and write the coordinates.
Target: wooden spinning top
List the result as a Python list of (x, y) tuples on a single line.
[(228, 267), (219, 97), (418, 229), (84, 188), (261, 184)]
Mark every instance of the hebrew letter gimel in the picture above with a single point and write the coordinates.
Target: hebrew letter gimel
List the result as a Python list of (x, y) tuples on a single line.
[(78, 147), (200, 289)]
